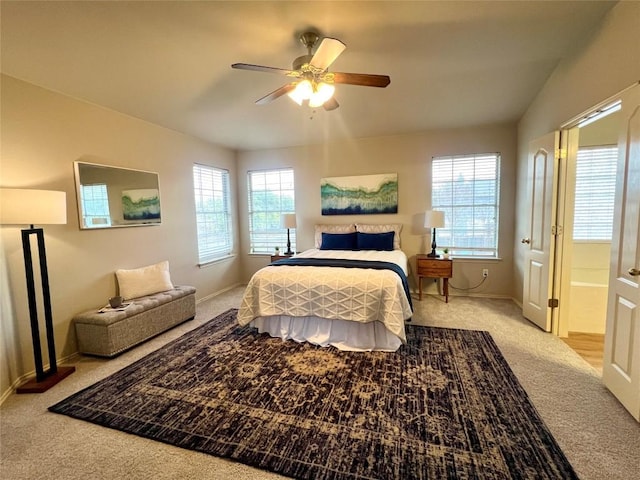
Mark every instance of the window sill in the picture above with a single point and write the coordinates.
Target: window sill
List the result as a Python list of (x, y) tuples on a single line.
[(476, 259), (216, 260)]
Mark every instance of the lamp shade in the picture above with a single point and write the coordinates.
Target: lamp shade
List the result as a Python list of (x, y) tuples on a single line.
[(323, 93), (303, 91), (434, 219), (288, 220), (32, 207)]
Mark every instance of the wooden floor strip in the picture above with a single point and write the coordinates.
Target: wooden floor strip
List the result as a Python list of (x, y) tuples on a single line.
[(589, 346)]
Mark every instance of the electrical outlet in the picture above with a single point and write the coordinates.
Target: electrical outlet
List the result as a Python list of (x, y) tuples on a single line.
[(485, 272)]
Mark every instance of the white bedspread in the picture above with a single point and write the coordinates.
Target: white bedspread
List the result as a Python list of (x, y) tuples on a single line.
[(353, 294)]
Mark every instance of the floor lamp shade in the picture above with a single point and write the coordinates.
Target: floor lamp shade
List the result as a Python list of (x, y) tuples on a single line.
[(30, 207), (433, 219), (288, 220)]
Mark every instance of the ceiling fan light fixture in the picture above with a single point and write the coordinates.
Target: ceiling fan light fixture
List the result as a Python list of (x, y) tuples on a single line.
[(323, 92), (314, 84), (303, 91)]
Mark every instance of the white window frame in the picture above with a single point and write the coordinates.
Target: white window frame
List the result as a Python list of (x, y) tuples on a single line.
[(213, 213), (265, 231), (452, 177), (596, 170)]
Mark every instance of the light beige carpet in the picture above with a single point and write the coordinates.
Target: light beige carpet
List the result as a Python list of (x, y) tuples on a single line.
[(599, 437)]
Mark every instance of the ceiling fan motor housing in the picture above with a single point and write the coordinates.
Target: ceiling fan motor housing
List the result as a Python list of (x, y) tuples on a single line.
[(300, 61)]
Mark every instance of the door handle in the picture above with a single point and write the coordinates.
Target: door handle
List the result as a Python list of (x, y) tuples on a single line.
[(634, 272), (525, 240)]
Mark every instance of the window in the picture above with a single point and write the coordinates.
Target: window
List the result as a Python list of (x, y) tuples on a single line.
[(213, 213), (95, 205), (271, 193), (467, 188), (595, 193)]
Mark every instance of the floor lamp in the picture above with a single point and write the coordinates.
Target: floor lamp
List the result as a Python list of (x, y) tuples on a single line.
[(20, 207), (433, 219), (288, 221)]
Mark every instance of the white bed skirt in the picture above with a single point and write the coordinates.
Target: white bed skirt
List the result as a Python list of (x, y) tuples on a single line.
[(342, 334)]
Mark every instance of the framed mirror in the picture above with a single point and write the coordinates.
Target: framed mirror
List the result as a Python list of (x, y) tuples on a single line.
[(116, 197)]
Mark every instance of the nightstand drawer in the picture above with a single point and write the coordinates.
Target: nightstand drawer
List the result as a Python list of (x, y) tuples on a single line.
[(434, 267)]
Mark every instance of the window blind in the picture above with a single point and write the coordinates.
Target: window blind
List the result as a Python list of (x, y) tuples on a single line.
[(95, 205), (213, 213), (271, 193), (595, 193), (466, 188)]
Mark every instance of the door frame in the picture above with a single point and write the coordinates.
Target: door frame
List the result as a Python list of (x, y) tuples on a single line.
[(566, 193)]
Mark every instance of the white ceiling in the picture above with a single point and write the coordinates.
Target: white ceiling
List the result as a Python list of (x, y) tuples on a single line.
[(452, 64)]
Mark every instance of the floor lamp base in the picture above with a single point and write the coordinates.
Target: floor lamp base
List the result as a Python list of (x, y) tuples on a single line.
[(33, 386)]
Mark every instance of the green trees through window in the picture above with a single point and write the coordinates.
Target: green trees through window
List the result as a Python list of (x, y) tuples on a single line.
[(213, 213), (271, 194), (466, 188)]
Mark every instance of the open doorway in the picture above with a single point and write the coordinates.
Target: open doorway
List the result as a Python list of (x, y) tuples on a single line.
[(589, 192), (621, 357)]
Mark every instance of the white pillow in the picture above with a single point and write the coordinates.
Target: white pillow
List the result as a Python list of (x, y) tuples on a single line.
[(144, 281), (320, 229), (382, 228)]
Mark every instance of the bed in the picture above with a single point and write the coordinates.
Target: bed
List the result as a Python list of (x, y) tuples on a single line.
[(344, 293)]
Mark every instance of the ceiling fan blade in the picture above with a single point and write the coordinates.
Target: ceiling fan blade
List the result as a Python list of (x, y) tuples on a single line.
[(331, 104), (276, 94), (327, 52), (262, 68), (363, 79)]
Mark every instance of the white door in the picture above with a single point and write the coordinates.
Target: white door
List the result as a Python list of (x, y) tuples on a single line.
[(621, 363), (539, 244)]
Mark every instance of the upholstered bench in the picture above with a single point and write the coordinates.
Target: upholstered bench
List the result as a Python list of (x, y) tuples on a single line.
[(113, 331)]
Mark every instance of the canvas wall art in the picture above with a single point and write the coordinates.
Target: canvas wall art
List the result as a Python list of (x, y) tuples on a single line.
[(141, 204), (364, 194)]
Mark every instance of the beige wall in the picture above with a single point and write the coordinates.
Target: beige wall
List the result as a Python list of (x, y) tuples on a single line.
[(590, 262), (589, 287), (599, 69), (409, 156), (43, 133)]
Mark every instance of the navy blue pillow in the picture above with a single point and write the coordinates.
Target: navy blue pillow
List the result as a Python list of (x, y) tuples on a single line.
[(338, 241), (375, 241)]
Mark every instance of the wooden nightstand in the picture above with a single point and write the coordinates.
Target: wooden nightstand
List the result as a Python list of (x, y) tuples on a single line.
[(434, 267), (279, 257)]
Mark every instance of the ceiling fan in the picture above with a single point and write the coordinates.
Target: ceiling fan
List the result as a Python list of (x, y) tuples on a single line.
[(313, 83)]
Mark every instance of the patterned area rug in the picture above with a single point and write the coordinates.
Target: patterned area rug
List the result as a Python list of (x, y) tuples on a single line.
[(446, 405)]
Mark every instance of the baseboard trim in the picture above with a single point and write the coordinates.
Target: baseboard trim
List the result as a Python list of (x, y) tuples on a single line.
[(24, 378), (219, 292), (457, 294)]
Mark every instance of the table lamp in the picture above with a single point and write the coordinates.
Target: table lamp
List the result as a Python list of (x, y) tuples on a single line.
[(288, 221), (433, 219)]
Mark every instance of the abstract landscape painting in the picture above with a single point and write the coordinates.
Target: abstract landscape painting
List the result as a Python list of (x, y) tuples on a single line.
[(364, 194), (141, 204)]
